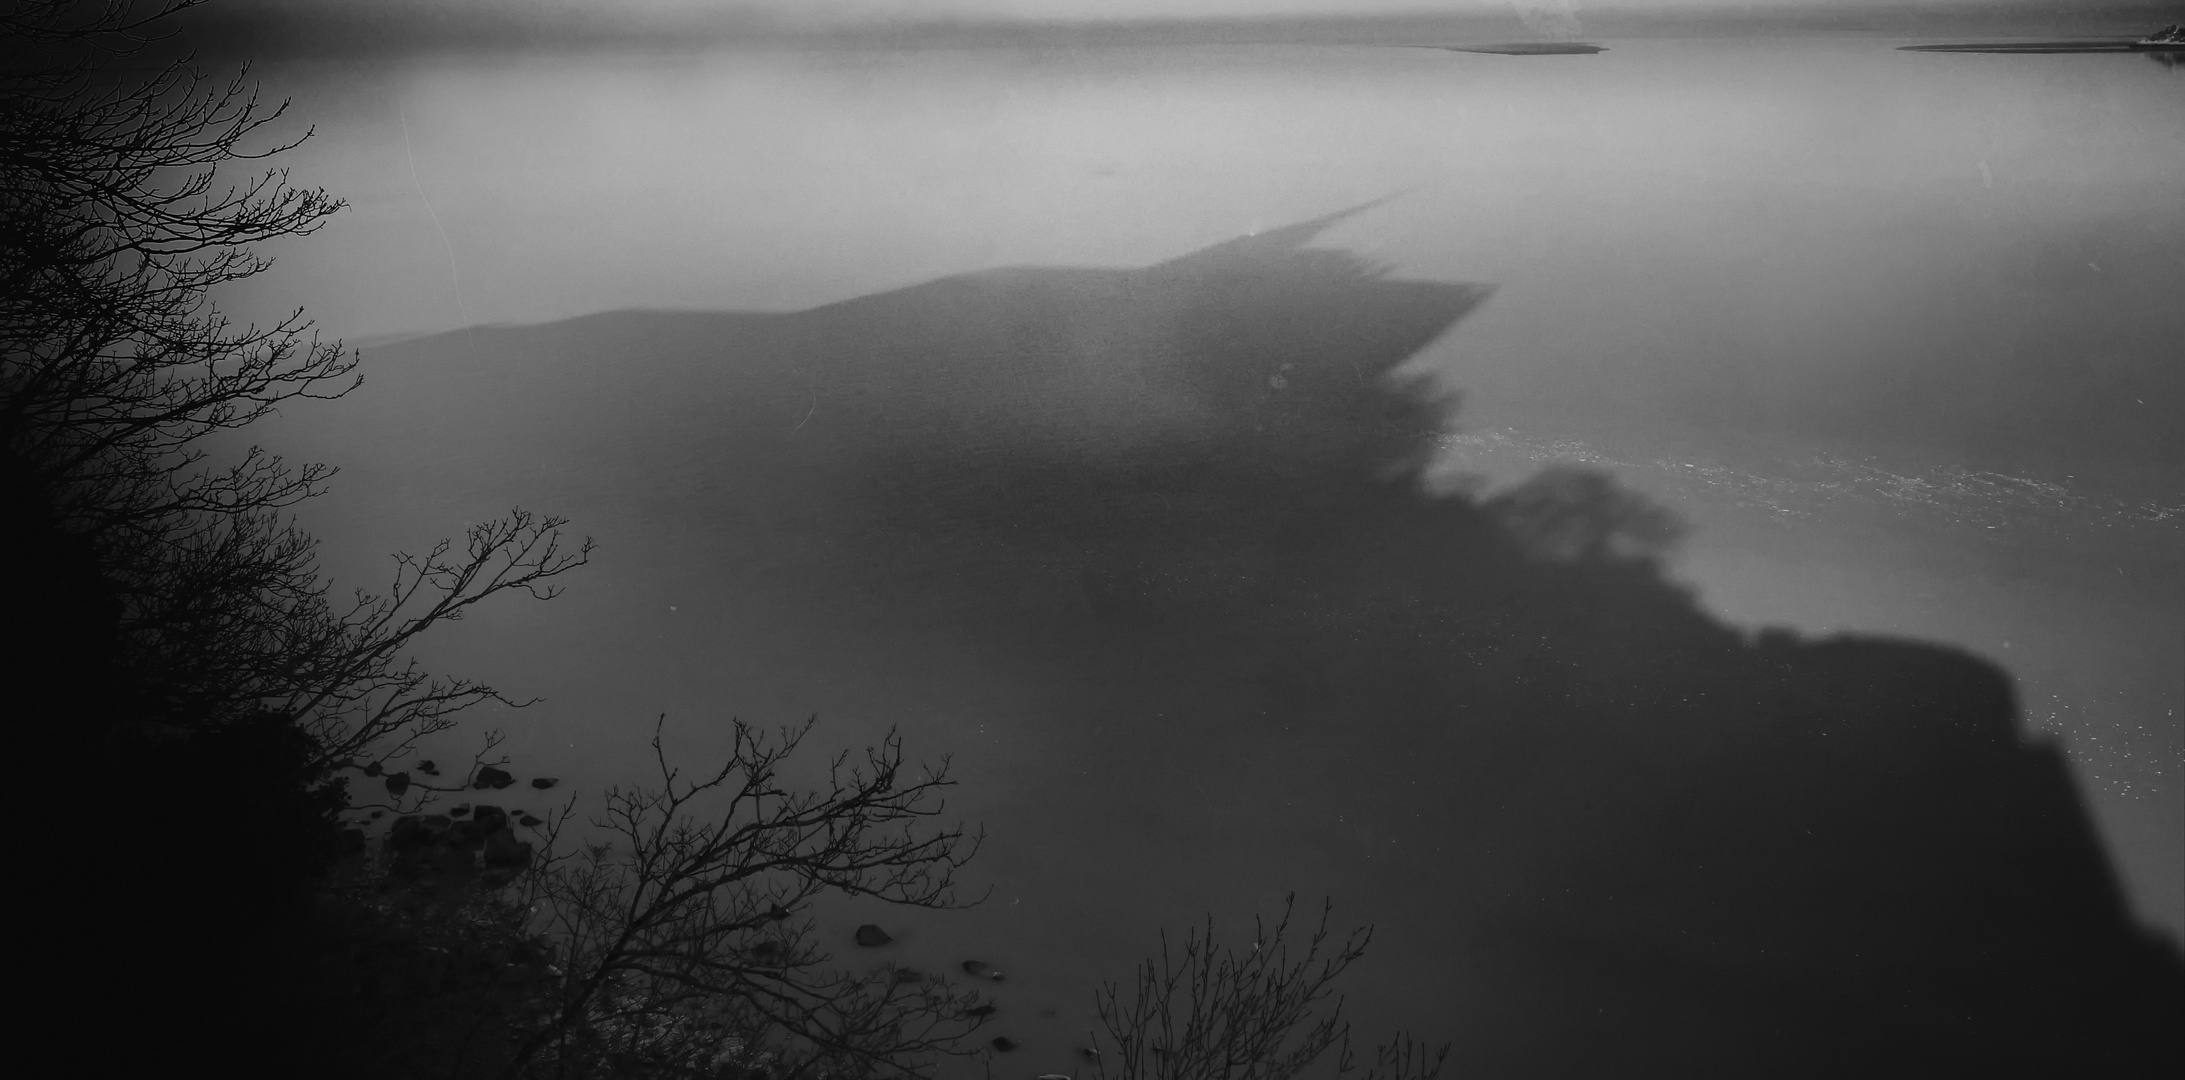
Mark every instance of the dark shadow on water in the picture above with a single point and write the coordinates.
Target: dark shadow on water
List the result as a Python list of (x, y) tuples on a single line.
[(1181, 498)]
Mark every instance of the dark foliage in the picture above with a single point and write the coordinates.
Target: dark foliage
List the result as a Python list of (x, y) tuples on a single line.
[(172, 656)]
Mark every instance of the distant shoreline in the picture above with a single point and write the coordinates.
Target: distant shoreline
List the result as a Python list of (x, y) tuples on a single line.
[(2046, 47)]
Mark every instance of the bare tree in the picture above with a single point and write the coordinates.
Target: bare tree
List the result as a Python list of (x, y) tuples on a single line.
[(116, 367), (1207, 1013), (114, 228), (682, 949)]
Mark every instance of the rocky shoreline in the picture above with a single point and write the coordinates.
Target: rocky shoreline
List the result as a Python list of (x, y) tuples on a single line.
[(481, 842)]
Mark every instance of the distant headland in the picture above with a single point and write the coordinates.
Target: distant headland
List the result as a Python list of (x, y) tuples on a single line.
[(2168, 39)]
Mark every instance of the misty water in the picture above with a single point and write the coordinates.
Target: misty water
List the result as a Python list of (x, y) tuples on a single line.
[(1047, 405)]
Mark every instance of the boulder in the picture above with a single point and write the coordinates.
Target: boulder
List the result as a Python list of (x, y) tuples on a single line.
[(872, 936), (460, 810), (455, 861), (407, 864), (1003, 1043), (974, 967), (415, 862), (397, 783), (544, 782), (468, 835), (411, 831), (490, 777), (490, 818), (504, 852), (529, 822)]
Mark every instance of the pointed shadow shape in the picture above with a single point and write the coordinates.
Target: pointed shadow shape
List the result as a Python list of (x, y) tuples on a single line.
[(1646, 842)]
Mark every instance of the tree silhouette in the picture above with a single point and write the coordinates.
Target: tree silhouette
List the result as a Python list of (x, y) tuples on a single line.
[(1208, 1013), (115, 228), (170, 630), (681, 943)]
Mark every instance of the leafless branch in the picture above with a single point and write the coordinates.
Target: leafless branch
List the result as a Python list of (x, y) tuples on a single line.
[(1198, 1012), (680, 933)]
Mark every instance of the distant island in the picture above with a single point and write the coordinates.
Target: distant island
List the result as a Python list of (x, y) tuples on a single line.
[(1521, 48)]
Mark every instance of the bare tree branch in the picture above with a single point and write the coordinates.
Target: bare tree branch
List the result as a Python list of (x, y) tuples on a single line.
[(1198, 1012), (680, 936)]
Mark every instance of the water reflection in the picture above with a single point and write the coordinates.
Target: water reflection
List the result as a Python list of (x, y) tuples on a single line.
[(1601, 830)]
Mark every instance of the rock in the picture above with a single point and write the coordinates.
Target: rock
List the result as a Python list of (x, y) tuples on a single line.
[(872, 936), (777, 912), (504, 851), (377, 814), (455, 861), (407, 864), (1088, 1053), (1003, 1043), (429, 858), (372, 769), (490, 818), (490, 777), (974, 967), (397, 783), (994, 975), (979, 1010), (468, 835), (411, 831), (544, 782), (428, 768), (460, 810), (529, 822)]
